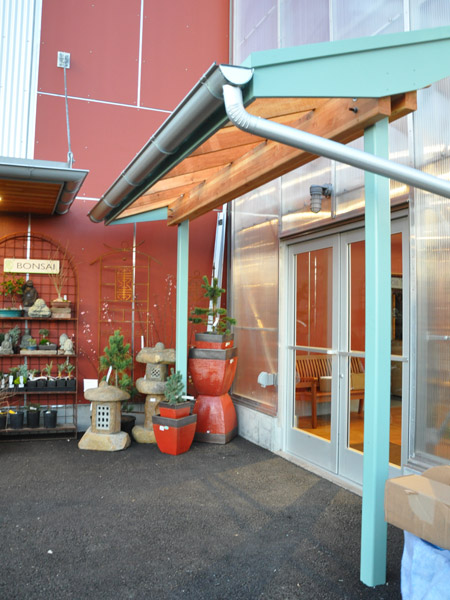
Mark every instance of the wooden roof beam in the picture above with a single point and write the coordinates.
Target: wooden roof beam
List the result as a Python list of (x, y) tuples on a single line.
[(335, 120)]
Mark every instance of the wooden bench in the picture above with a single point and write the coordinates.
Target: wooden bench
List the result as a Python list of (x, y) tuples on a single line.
[(309, 369)]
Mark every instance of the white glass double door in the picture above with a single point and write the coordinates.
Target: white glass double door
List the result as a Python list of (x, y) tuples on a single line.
[(325, 350)]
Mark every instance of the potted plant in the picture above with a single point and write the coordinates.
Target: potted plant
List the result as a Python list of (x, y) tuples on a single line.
[(61, 380), (215, 318), (71, 383), (48, 378), (32, 379), (44, 342), (11, 288), (174, 433), (50, 416), (117, 357), (15, 418), (212, 366), (60, 280), (32, 344), (33, 415)]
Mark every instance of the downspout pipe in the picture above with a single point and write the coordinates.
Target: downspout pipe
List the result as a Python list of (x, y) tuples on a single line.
[(323, 147), (201, 102)]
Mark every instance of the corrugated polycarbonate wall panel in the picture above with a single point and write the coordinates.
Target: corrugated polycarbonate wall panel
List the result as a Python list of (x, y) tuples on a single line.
[(431, 231), (19, 56), (255, 290)]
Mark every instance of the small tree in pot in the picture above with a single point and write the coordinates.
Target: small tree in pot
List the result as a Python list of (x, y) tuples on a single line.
[(174, 427)]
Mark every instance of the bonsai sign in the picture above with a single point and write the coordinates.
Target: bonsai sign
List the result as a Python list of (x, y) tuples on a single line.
[(29, 265)]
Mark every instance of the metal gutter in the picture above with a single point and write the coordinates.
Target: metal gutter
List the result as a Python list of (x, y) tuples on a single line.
[(201, 111), (323, 147), (23, 169)]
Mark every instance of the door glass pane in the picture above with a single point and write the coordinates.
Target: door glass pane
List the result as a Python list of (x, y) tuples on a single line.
[(314, 298), (356, 365), (313, 370), (313, 393)]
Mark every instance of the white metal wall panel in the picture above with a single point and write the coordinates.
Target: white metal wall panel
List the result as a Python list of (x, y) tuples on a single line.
[(20, 23)]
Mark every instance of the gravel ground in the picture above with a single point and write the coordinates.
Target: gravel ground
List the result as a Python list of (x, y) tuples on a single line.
[(219, 522)]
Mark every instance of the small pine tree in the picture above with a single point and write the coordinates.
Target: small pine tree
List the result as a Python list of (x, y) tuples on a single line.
[(174, 388), (213, 315), (116, 355)]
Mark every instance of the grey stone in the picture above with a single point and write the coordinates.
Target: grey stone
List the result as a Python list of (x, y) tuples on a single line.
[(106, 393), (150, 387)]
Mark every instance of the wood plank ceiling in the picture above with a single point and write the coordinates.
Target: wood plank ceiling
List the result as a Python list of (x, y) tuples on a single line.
[(233, 162), (19, 196)]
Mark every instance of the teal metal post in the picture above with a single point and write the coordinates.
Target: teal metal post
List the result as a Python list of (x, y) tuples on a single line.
[(182, 300), (378, 352)]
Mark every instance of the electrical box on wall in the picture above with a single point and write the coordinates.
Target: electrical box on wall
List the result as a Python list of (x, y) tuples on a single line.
[(63, 60)]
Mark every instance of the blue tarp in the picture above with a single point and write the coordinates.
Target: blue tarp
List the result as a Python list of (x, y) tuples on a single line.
[(425, 573)]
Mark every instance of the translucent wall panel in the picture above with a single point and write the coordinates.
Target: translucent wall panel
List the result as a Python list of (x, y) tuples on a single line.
[(432, 235), (254, 288), (304, 22), (353, 18), (255, 27)]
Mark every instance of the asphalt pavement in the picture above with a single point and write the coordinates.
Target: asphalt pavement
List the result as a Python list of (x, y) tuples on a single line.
[(219, 522)]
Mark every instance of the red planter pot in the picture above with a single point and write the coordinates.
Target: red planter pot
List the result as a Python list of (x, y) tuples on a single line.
[(212, 371), (216, 419), (214, 341), (174, 411), (174, 436)]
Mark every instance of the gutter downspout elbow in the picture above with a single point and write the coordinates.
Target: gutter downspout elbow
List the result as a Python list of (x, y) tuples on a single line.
[(323, 147)]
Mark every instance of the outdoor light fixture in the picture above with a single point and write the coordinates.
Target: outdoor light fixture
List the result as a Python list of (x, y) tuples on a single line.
[(317, 191)]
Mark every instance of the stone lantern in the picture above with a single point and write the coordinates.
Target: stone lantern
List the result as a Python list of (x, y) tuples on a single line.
[(153, 386), (104, 432)]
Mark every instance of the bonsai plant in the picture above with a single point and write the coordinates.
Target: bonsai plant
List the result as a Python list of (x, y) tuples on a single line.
[(117, 357), (175, 404), (44, 342), (61, 380), (212, 365), (174, 427), (214, 317), (12, 288)]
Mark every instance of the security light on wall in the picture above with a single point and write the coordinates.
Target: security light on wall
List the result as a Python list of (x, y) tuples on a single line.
[(317, 192)]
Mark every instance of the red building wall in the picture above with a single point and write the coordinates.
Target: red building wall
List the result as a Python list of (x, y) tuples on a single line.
[(128, 71)]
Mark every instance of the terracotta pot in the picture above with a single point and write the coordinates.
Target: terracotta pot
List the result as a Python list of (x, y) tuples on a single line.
[(174, 411), (174, 436), (215, 341), (212, 371)]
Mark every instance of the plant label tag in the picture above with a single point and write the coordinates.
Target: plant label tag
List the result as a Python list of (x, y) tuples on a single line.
[(152, 399)]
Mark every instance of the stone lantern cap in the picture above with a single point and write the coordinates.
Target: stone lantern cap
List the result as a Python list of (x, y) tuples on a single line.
[(106, 393), (157, 355)]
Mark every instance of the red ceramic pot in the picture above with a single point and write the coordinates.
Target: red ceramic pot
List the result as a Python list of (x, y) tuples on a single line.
[(174, 411), (212, 371), (216, 419), (174, 436), (214, 341)]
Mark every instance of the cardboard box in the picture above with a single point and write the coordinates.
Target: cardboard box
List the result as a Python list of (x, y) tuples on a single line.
[(420, 504)]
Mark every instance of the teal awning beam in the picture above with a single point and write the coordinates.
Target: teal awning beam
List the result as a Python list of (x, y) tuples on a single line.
[(159, 214)]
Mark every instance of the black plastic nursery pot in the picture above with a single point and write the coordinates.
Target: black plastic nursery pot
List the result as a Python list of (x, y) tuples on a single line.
[(127, 423), (3, 419), (33, 417), (16, 420), (50, 418)]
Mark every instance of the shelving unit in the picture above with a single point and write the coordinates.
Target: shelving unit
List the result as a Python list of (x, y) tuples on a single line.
[(34, 247)]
